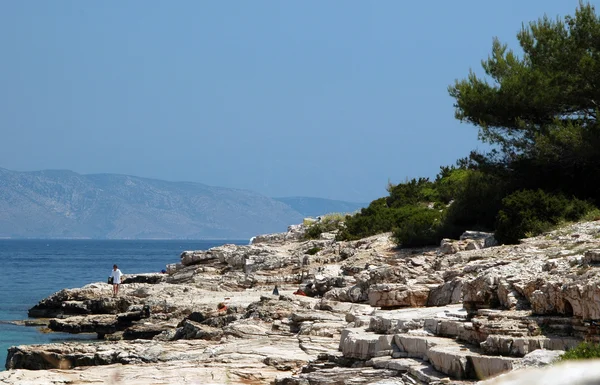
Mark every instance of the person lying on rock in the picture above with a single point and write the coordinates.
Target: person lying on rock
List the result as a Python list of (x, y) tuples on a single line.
[(116, 276), (299, 292)]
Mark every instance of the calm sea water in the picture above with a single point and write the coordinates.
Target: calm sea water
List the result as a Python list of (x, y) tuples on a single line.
[(34, 269)]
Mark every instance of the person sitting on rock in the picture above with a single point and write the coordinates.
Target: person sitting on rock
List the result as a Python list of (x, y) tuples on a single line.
[(116, 276)]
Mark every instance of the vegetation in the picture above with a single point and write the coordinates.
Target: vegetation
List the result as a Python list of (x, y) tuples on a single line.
[(326, 223), (583, 351), (530, 213), (539, 111), (418, 228), (313, 250)]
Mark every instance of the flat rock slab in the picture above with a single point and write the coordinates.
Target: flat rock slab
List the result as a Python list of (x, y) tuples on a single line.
[(279, 351), (354, 376), (388, 321), (173, 373), (417, 368), (359, 344)]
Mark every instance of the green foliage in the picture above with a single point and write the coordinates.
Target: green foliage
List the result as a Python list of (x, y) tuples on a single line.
[(541, 108), (583, 351), (476, 203), (313, 231), (567, 157), (557, 78), (313, 250), (377, 218), (540, 111), (410, 192), (592, 215), (418, 227), (532, 212), (327, 223), (419, 211), (333, 219), (450, 182)]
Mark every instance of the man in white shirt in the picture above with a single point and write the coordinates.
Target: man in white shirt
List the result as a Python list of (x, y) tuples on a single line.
[(116, 276)]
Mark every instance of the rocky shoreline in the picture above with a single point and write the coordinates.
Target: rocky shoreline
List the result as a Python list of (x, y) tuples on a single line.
[(463, 312)]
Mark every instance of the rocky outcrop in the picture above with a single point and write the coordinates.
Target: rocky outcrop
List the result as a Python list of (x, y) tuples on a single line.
[(398, 295), (360, 312), (469, 240), (294, 233)]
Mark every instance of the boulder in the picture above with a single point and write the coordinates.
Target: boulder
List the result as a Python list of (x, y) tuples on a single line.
[(355, 343), (398, 295), (482, 239), (591, 257), (191, 330), (447, 293)]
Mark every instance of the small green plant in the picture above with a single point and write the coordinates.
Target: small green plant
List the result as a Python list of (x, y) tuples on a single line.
[(313, 231), (313, 250), (584, 350)]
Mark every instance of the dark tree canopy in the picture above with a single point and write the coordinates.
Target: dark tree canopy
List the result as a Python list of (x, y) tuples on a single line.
[(555, 82)]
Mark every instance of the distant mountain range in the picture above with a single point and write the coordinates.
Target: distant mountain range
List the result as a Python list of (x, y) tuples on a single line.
[(64, 204)]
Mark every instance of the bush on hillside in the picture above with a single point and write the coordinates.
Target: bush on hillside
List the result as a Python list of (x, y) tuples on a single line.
[(450, 182), (374, 219), (411, 192), (467, 187), (419, 227), (477, 199), (528, 213)]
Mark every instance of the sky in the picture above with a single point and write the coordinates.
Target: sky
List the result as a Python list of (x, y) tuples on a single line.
[(330, 99)]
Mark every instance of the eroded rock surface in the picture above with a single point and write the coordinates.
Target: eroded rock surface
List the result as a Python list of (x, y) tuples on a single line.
[(364, 312)]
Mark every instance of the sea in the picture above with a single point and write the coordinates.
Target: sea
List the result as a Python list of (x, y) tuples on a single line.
[(34, 269)]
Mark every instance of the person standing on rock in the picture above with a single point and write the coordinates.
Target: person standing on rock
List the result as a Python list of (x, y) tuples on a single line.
[(116, 276)]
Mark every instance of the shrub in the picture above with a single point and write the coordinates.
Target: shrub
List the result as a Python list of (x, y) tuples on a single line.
[(410, 192), (313, 231), (327, 223), (475, 198), (531, 212), (475, 206), (332, 221), (374, 219), (583, 351), (418, 227), (313, 250), (450, 182)]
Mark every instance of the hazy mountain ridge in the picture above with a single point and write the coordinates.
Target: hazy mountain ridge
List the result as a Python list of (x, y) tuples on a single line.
[(312, 207), (65, 204)]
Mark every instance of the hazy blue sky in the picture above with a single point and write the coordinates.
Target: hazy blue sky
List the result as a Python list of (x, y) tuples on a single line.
[(315, 98)]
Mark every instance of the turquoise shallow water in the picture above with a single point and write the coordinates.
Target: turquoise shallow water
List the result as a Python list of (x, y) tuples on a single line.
[(34, 269)]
